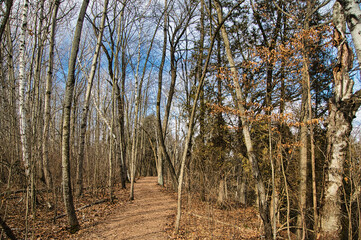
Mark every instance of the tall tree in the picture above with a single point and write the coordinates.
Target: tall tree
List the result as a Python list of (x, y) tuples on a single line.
[(22, 89), (136, 114), (159, 95), (68, 100), (47, 106), (118, 43), (192, 116), (84, 118), (181, 25), (263, 202), (342, 109)]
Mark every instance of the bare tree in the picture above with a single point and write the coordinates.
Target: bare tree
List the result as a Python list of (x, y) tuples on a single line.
[(135, 128), (47, 107), (84, 118), (180, 28), (22, 89), (159, 95), (192, 116), (68, 99), (342, 109)]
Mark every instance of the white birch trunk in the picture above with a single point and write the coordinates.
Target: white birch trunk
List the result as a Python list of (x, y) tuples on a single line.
[(22, 89), (352, 12), (342, 108)]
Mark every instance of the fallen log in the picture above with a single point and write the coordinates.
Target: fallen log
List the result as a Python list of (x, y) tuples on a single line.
[(82, 207)]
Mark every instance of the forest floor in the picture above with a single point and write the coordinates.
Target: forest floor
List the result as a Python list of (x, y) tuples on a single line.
[(146, 217), (150, 216)]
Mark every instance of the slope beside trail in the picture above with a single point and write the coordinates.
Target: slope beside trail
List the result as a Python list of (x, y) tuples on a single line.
[(144, 218)]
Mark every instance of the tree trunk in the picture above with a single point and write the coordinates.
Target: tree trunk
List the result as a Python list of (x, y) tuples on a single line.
[(313, 161), (192, 116), (36, 115), (189, 134), (22, 106), (122, 140), (342, 108), (221, 192), (162, 129), (159, 166), (352, 12), (22, 90), (302, 197), (47, 107), (159, 95), (66, 178), (263, 203), (7, 229), (9, 4), (111, 148), (135, 127), (120, 93), (13, 95), (241, 185), (202, 126), (84, 118)]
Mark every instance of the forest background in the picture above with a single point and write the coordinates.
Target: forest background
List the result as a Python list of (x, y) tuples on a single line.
[(240, 103)]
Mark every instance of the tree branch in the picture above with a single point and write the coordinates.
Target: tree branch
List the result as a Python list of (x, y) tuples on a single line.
[(7, 229)]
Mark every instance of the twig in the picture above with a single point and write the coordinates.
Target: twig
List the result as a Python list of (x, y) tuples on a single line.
[(215, 220), (21, 191), (85, 206)]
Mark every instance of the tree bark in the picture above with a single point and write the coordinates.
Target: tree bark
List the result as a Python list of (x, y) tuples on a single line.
[(121, 105), (7, 229), (302, 196), (22, 90), (200, 60), (120, 91), (22, 106), (342, 108), (66, 178), (9, 4), (161, 149), (135, 127), (47, 107), (111, 147), (352, 12), (36, 115)]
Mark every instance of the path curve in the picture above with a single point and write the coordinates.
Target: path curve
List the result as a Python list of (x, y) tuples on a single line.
[(144, 218)]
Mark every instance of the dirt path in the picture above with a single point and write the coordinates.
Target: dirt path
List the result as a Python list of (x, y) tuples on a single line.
[(145, 218)]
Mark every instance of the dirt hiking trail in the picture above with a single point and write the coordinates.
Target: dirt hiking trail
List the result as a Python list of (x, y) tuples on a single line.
[(144, 218)]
